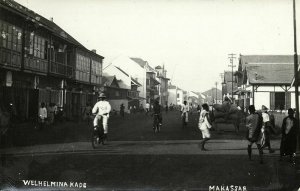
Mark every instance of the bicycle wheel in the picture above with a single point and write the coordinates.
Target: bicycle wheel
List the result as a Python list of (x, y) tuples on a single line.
[(95, 139)]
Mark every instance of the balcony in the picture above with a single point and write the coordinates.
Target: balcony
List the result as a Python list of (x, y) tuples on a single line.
[(9, 58), (133, 94), (36, 64), (61, 69)]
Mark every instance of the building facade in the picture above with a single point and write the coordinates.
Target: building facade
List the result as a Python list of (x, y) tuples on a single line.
[(40, 62)]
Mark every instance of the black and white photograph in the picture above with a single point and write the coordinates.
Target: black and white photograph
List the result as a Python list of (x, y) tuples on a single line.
[(149, 95)]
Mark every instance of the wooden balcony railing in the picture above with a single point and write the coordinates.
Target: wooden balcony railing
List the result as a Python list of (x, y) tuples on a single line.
[(61, 69)]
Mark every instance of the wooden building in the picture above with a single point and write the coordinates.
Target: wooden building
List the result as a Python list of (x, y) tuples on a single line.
[(40, 62)]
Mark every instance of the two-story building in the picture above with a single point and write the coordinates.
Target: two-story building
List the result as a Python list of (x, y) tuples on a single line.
[(126, 82), (40, 62)]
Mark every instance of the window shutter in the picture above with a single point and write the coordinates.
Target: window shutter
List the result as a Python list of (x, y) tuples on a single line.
[(288, 100), (272, 100)]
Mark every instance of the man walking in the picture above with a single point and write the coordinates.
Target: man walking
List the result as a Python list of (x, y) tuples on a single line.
[(254, 125), (266, 128)]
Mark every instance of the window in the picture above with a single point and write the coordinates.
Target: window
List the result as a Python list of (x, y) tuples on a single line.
[(280, 100), (10, 36), (36, 45)]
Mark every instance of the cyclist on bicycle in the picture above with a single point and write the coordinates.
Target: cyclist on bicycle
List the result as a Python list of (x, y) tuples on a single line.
[(102, 109), (157, 115)]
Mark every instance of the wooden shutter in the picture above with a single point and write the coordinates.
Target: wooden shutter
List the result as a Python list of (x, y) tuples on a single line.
[(288, 100), (272, 100)]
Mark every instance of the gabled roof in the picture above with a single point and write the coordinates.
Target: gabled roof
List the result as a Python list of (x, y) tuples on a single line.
[(108, 81), (132, 79), (270, 73), (139, 61), (244, 59)]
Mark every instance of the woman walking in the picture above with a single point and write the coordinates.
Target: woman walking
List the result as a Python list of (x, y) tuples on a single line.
[(204, 125), (289, 136)]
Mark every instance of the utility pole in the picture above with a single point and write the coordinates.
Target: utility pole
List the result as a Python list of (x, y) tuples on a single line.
[(296, 69), (231, 57), (216, 92)]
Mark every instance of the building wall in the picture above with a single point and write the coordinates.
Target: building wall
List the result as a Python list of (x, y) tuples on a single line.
[(262, 98), (172, 96), (136, 72)]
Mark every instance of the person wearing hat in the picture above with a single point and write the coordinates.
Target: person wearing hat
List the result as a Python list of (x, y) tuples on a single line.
[(102, 109), (289, 132), (266, 128)]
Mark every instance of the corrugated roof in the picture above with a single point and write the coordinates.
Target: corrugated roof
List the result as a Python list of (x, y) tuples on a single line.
[(270, 73)]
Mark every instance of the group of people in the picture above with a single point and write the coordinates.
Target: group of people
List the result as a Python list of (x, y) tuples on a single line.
[(259, 128), (47, 114)]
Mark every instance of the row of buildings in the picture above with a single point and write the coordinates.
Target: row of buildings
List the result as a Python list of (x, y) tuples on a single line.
[(262, 80), (40, 62)]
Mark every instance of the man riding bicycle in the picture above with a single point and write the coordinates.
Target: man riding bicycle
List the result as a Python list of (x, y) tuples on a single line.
[(157, 116), (102, 109)]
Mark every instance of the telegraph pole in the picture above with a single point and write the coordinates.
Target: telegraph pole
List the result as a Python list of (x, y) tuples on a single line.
[(231, 57), (296, 68), (216, 92)]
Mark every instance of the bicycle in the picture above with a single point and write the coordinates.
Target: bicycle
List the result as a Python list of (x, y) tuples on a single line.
[(98, 135), (156, 123)]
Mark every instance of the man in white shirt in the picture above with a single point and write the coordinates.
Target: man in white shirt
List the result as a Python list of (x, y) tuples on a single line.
[(184, 113), (102, 109), (266, 128)]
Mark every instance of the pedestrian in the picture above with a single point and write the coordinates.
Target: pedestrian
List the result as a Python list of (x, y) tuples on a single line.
[(254, 124), (51, 113), (147, 108), (130, 109), (266, 129), (184, 114), (289, 132), (42, 115), (87, 112), (134, 109), (157, 113), (122, 108), (204, 125), (167, 108)]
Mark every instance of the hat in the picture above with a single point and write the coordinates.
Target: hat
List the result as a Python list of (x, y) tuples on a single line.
[(264, 108), (101, 95)]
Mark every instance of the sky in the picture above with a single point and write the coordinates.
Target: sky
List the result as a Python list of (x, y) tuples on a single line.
[(192, 38)]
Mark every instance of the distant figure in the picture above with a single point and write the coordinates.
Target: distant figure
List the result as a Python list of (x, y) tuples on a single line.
[(254, 125), (147, 108), (51, 112), (167, 108), (42, 115), (87, 112), (141, 108), (134, 109), (122, 108), (185, 114), (130, 109), (289, 132)]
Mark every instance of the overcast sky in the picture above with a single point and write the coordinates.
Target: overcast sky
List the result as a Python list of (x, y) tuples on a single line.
[(191, 37)]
